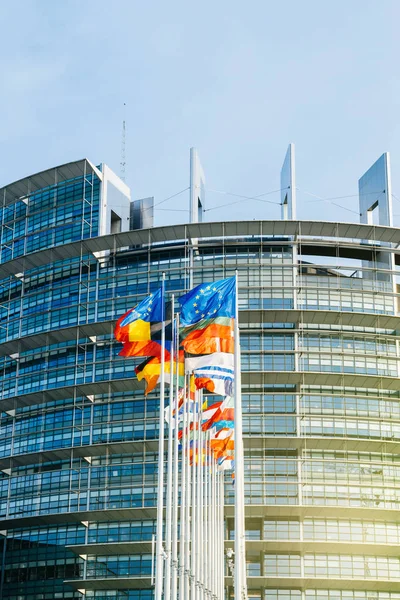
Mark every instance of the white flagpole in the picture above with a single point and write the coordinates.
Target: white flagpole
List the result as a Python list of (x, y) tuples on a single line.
[(217, 535), (182, 563), (204, 524), (222, 525), (200, 496), (168, 514), (214, 527), (244, 570), (194, 540), (207, 527), (174, 561), (240, 577), (218, 565), (160, 487), (188, 489), (210, 525)]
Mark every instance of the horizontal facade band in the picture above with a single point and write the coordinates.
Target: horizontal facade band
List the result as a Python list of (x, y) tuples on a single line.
[(261, 380), (111, 583), (247, 317), (316, 583), (56, 336), (257, 442), (112, 548), (341, 444), (265, 546), (296, 511), (263, 511), (252, 380), (180, 234), (321, 317), (298, 583), (31, 458), (100, 516), (72, 391), (317, 547), (340, 249)]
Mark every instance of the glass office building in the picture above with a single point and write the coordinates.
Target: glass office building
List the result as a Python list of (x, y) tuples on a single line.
[(78, 440)]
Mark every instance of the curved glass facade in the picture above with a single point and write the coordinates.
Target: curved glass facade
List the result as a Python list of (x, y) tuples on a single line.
[(78, 439)]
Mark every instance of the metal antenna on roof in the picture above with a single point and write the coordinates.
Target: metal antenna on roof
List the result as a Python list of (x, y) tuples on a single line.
[(122, 164)]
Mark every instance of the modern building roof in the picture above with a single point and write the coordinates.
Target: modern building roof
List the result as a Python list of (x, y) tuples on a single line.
[(32, 183)]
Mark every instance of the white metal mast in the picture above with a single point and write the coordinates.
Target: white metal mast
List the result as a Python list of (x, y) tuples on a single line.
[(240, 551), (170, 466), (160, 486)]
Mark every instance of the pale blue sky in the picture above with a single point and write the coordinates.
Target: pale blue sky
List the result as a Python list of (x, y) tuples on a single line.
[(238, 80)]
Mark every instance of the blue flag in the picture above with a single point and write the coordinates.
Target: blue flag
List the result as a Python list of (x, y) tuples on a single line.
[(149, 309), (209, 300)]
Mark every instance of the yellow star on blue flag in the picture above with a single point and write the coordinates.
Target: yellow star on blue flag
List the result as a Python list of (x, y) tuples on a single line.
[(217, 299)]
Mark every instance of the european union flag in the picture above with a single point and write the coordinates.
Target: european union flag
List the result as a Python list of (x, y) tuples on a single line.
[(140, 328), (149, 309), (209, 300)]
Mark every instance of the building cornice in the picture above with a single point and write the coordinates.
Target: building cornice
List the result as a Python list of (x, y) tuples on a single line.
[(191, 233)]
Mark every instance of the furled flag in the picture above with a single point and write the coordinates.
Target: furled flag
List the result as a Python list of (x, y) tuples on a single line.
[(213, 372), (139, 329)]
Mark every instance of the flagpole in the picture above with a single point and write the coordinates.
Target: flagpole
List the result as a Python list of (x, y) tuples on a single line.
[(191, 268), (160, 487), (174, 562), (218, 527), (210, 524), (200, 495), (240, 577), (217, 535), (204, 521), (194, 542), (182, 563), (222, 525), (188, 490), (207, 521), (200, 514), (222, 533), (200, 468), (214, 527), (168, 514)]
